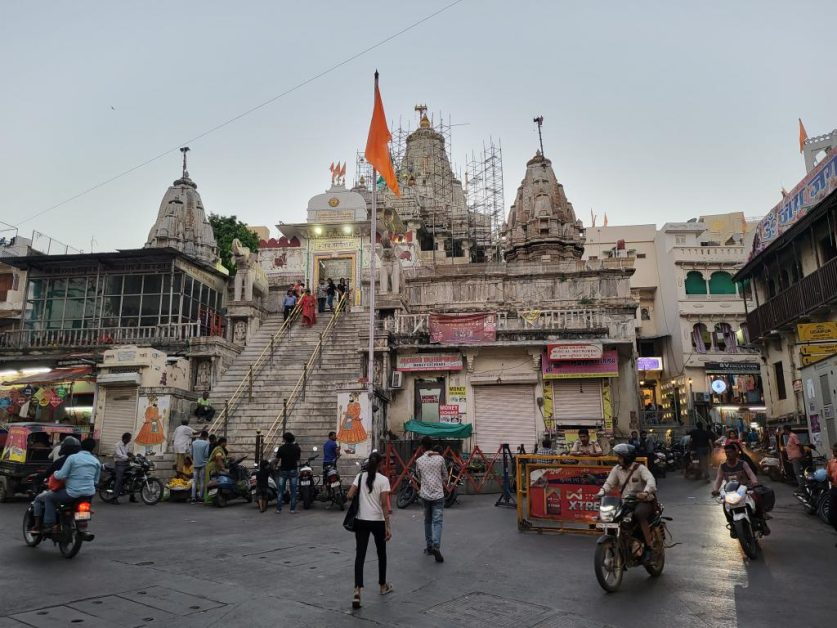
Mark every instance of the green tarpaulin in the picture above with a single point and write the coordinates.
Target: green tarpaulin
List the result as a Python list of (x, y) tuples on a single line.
[(440, 430)]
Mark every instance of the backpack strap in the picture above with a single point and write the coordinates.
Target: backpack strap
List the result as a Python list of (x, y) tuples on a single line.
[(634, 467)]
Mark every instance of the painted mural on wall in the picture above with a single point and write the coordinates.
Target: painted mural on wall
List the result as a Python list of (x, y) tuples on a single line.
[(354, 424), (152, 424)]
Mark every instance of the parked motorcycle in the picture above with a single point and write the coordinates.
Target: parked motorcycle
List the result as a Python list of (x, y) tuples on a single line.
[(814, 495), (137, 478), (307, 483), (73, 519), (771, 465), (622, 546), (332, 490), (230, 485), (272, 490), (747, 524)]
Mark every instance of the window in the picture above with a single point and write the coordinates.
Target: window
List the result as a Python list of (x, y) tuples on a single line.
[(827, 249), (640, 255), (721, 283), (742, 336), (779, 373), (6, 280), (680, 240), (645, 314), (725, 339), (825, 390), (701, 338), (695, 283)]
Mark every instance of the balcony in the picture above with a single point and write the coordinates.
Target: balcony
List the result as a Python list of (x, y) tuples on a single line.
[(710, 254), (158, 335), (813, 291)]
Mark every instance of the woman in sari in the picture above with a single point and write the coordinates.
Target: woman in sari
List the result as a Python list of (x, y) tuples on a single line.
[(309, 309), (216, 464)]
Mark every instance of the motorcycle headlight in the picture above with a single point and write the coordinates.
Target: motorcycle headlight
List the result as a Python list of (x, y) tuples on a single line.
[(732, 498), (606, 513)]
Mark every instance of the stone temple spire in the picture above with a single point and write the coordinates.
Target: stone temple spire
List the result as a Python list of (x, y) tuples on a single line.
[(181, 221), (542, 226)]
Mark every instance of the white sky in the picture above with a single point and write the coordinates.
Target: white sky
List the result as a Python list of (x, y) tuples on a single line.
[(654, 111)]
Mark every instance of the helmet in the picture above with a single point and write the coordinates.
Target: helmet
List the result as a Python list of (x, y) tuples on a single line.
[(820, 475), (628, 452), (69, 446)]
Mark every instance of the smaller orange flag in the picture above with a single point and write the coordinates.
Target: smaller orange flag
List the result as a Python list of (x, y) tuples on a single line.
[(377, 144), (605, 219), (803, 135)]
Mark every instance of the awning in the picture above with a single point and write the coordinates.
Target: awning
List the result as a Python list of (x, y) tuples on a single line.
[(53, 377), (439, 430)]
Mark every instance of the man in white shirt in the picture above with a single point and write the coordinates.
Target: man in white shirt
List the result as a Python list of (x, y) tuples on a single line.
[(433, 474), (121, 461), (583, 446), (182, 443)]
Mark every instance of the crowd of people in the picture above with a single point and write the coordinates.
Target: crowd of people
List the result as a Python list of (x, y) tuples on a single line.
[(322, 300)]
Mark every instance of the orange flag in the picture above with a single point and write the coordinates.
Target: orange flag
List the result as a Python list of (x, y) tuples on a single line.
[(605, 219), (803, 135), (377, 145)]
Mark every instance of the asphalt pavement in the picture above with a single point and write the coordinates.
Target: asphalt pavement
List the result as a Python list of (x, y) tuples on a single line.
[(190, 565)]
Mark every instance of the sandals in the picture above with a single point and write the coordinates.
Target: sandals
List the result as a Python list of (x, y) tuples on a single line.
[(356, 599), (386, 589)]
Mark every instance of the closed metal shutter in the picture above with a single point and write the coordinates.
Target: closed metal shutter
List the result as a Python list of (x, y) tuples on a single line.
[(120, 416), (505, 414), (577, 401)]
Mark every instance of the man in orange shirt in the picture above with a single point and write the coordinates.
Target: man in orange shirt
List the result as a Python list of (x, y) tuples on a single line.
[(793, 449), (832, 475)]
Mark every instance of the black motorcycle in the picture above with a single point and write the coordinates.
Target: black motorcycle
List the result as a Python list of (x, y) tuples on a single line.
[(137, 479), (622, 546), (73, 519), (332, 490), (814, 494)]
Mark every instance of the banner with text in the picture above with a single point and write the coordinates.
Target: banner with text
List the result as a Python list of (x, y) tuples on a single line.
[(429, 362), (462, 330)]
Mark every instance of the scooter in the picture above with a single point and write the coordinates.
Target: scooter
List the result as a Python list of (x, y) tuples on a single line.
[(691, 468), (770, 465), (230, 485), (272, 490)]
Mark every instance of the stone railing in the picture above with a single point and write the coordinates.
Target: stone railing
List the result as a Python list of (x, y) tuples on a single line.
[(102, 337), (734, 254), (442, 269)]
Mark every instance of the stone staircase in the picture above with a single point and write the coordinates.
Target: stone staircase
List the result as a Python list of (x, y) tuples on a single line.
[(311, 418)]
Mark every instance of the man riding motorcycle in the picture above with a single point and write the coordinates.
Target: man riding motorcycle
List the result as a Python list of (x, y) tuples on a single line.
[(80, 474), (633, 480), (69, 446), (734, 468)]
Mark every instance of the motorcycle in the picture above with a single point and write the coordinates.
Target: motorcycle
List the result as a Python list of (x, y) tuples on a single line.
[(272, 489), (622, 546), (411, 485), (332, 489), (73, 519), (691, 468), (771, 465), (307, 484), (137, 478), (814, 494), (230, 484), (747, 524)]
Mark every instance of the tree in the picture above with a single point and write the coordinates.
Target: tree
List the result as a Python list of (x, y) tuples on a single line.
[(227, 229)]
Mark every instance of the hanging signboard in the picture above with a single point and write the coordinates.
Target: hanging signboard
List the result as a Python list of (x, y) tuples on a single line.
[(606, 366), (574, 352), (826, 348), (732, 368), (462, 330), (449, 413), (817, 331), (429, 362), (649, 364)]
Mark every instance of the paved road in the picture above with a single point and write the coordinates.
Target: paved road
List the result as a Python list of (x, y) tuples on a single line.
[(182, 565)]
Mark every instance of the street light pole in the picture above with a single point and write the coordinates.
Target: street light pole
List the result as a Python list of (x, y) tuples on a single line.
[(690, 404)]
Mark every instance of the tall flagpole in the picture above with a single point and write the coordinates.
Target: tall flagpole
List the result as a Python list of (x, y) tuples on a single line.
[(373, 238)]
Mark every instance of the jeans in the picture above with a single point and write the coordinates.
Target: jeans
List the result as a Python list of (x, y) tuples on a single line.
[(321, 303), (119, 474), (205, 412), (39, 503), (433, 513), (51, 501), (362, 531), (796, 463), (330, 301), (703, 460), (284, 476), (198, 480), (287, 312)]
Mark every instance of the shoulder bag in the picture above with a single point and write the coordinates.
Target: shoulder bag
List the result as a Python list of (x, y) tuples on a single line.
[(352, 510)]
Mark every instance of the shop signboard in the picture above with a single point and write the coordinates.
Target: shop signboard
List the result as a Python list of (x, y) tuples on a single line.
[(606, 366), (649, 364), (826, 348), (456, 396), (462, 330), (808, 332), (329, 244), (566, 492), (449, 413), (579, 351), (429, 362), (810, 359), (733, 368)]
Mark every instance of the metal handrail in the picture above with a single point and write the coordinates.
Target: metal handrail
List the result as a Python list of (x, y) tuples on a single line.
[(254, 369), (289, 403)]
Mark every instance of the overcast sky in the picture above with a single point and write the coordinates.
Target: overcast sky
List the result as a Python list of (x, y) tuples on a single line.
[(653, 111)]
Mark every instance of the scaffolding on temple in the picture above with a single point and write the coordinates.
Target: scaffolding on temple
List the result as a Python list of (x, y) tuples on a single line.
[(485, 196)]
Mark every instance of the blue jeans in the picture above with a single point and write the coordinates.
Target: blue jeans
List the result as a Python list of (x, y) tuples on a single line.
[(198, 481), (433, 512), (51, 501), (285, 476), (38, 504)]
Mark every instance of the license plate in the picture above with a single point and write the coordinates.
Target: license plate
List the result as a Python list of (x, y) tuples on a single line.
[(213, 492), (305, 483), (335, 484), (82, 516), (607, 526)]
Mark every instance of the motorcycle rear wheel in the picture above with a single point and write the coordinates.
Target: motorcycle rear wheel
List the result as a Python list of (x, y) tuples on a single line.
[(824, 508), (747, 538), (406, 496), (608, 566), (152, 491), (106, 491), (450, 498), (339, 498), (219, 500), (307, 497), (30, 539), (70, 545)]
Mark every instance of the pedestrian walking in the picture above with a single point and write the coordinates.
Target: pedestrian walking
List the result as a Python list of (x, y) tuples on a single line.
[(182, 443), (331, 290), (321, 296), (373, 518), (793, 449), (287, 458), (288, 304), (433, 474), (700, 441), (200, 456), (121, 461), (262, 484), (309, 309)]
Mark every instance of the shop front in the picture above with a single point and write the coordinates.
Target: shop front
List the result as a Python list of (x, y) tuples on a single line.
[(735, 394), (426, 381), (60, 395)]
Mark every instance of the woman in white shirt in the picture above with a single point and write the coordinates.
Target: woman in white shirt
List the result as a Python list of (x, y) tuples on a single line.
[(372, 489)]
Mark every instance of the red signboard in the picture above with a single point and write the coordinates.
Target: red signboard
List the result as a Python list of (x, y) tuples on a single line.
[(466, 329), (607, 366), (566, 493), (574, 351)]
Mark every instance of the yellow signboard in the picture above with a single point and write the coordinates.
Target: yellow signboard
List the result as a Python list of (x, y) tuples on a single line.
[(810, 359), (817, 331), (826, 348)]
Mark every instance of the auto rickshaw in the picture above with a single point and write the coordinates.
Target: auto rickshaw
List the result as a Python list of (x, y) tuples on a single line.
[(27, 449)]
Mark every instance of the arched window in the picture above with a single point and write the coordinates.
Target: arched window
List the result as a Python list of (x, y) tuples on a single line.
[(745, 289), (742, 336), (725, 339), (695, 283), (721, 283), (645, 314), (701, 338)]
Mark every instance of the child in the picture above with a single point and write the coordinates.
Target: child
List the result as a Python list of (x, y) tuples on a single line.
[(262, 479)]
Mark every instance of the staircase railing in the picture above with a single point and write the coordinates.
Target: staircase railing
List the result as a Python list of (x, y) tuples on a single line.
[(246, 383), (280, 424)]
